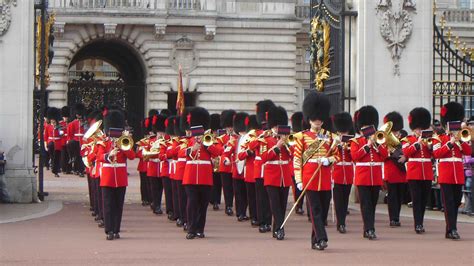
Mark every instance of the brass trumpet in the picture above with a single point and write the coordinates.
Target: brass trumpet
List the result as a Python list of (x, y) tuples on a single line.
[(124, 143), (208, 139), (464, 135), (290, 140)]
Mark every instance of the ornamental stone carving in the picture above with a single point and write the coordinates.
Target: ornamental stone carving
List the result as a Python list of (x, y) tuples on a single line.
[(109, 29), (184, 53), (396, 26), (210, 31), (160, 31), (5, 15)]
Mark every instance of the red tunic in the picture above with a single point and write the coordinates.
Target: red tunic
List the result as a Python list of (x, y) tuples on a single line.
[(393, 173), (63, 128), (369, 165), (198, 170), (114, 174), (419, 165), (182, 158), (52, 134), (172, 155), (258, 147), (229, 153), (450, 166), (223, 140), (75, 131), (343, 171), (276, 170), (142, 165), (249, 176)]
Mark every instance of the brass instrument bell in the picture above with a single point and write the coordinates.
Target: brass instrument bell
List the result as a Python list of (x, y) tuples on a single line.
[(464, 135), (125, 143)]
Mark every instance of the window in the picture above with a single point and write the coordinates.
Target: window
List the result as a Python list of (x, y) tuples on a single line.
[(464, 4)]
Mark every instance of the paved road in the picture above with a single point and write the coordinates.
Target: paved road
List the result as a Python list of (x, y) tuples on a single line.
[(71, 237)]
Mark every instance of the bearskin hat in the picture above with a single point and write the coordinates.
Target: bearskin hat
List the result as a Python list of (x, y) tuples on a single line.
[(297, 122), (396, 118), (198, 116), (65, 111), (169, 125), (451, 111), (183, 119), (253, 124), (177, 128), (227, 118), (419, 117), (241, 121), (158, 123), (79, 109), (277, 116), (54, 114), (114, 119), (262, 108), (215, 123), (165, 112), (94, 115), (316, 106), (342, 122), (367, 115), (152, 112)]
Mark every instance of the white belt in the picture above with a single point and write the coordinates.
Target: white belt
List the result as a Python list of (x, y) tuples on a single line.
[(419, 160), (315, 160), (277, 162), (54, 138), (258, 158), (79, 135), (369, 164), (198, 162), (154, 160), (452, 159), (181, 160), (114, 165), (344, 163)]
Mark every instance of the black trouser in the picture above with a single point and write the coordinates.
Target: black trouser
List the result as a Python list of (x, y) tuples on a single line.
[(113, 208), (264, 214), (45, 153), (240, 197), (168, 194), (395, 197), (319, 204), (198, 199), (228, 189), (55, 158), (74, 150), (420, 191), (341, 201), (156, 192), (451, 195), (97, 198), (278, 197), (174, 189), (65, 164), (183, 201), (296, 194), (368, 197), (90, 188), (252, 200), (144, 190), (216, 188)]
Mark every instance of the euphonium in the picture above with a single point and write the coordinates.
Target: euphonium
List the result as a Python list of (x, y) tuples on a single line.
[(124, 143)]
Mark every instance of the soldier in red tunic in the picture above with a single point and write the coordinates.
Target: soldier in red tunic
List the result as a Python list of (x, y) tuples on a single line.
[(225, 167), (449, 149), (315, 149), (418, 150), (197, 178), (395, 172), (369, 157), (180, 128), (343, 171), (53, 133), (164, 168), (297, 126), (66, 166), (75, 132), (216, 193), (114, 177), (276, 173), (170, 154), (143, 165)]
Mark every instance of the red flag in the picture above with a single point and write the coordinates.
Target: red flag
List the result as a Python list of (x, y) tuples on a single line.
[(180, 98)]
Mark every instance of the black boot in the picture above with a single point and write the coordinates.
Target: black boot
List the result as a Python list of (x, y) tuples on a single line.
[(110, 236), (341, 229), (419, 229), (320, 245)]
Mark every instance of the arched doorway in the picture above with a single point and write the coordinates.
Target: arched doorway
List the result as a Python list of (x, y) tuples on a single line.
[(109, 72)]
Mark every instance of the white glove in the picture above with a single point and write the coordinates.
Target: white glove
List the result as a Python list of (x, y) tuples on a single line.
[(324, 161), (61, 132), (299, 186), (226, 161)]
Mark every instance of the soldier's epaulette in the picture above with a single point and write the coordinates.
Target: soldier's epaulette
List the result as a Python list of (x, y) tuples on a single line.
[(436, 137), (298, 135), (355, 140), (405, 139), (101, 143)]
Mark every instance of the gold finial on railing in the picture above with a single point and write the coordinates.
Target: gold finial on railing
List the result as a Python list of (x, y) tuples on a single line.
[(434, 7), (471, 53), (442, 21), (450, 33)]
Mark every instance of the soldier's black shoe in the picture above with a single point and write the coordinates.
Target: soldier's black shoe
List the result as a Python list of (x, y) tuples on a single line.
[(254, 223), (453, 234), (262, 228), (185, 227), (93, 214), (200, 235), (179, 223), (320, 245), (370, 234), (91, 209), (158, 211), (100, 224), (110, 236), (56, 175), (299, 211), (229, 211), (215, 206), (280, 234), (341, 229), (191, 236), (81, 175), (242, 218), (419, 229), (143, 203), (170, 216), (268, 228), (395, 224), (116, 236)]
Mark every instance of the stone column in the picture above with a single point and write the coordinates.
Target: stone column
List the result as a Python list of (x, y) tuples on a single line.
[(377, 84), (16, 100)]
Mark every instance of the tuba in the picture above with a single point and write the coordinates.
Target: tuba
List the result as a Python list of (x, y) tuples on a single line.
[(385, 135)]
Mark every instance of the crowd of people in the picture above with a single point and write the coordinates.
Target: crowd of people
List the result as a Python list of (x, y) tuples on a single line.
[(255, 159)]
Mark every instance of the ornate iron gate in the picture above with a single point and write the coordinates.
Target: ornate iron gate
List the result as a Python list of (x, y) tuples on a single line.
[(332, 59), (453, 71)]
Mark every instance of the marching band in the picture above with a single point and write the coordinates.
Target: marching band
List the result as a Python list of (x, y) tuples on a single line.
[(255, 160)]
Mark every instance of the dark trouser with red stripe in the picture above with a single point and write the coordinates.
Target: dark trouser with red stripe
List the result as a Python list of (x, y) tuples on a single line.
[(368, 197), (198, 199), (97, 198), (252, 201), (278, 197), (156, 191), (168, 194), (144, 188), (319, 206), (396, 194), (176, 209), (66, 166), (228, 189), (451, 195), (74, 150), (90, 187), (240, 197), (420, 192), (55, 156), (264, 214), (296, 194), (216, 188), (341, 194), (183, 201), (113, 208)]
